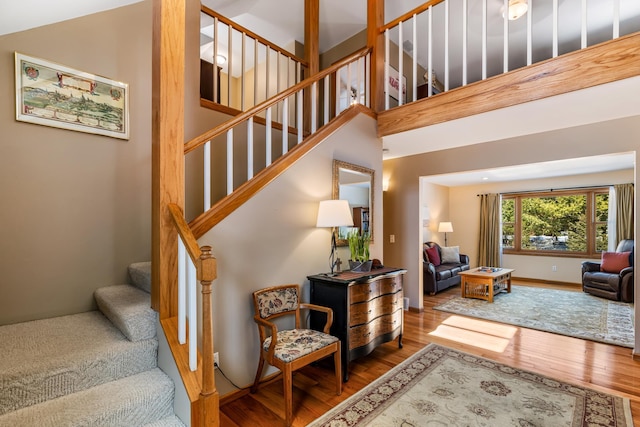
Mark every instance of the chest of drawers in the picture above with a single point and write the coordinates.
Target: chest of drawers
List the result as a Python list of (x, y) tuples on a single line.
[(367, 309)]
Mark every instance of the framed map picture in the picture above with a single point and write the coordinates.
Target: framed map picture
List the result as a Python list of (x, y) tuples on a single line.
[(54, 95)]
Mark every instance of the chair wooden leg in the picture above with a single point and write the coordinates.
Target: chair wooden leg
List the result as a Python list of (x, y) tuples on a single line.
[(288, 393), (254, 387), (337, 362)]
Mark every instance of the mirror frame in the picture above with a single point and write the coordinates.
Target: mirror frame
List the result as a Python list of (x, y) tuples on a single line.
[(339, 164)]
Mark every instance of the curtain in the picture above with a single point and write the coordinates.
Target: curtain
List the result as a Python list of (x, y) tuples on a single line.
[(489, 244), (624, 209), (611, 221)]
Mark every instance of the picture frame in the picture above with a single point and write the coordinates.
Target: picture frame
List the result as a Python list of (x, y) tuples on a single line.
[(394, 85), (54, 95)]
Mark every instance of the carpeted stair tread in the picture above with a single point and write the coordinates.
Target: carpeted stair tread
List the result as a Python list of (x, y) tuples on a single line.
[(171, 421), (129, 309), (137, 400), (45, 359), (140, 275)]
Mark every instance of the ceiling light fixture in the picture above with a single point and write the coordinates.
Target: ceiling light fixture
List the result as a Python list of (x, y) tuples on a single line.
[(221, 59), (517, 8)]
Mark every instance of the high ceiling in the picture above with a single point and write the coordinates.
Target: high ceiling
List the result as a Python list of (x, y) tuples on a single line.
[(283, 21)]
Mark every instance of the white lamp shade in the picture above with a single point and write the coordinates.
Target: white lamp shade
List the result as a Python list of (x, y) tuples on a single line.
[(445, 227), (334, 213)]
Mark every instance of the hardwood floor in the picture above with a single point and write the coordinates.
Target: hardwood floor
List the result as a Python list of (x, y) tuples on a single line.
[(607, 368)]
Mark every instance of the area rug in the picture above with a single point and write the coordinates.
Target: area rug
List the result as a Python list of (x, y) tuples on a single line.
[(576, 314), (439, 386)]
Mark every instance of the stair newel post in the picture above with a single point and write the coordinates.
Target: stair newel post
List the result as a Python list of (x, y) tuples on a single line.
[(209, 395)]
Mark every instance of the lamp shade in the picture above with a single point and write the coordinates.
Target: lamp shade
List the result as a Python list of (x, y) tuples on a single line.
[(334, 213), (445, 227)]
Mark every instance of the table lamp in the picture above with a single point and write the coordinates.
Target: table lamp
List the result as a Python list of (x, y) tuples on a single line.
[(334, 213)]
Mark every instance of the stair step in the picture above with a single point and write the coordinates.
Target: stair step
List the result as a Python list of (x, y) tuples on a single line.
[(137, 400), (49, 358), (140, 275), (129, 309), (171, 421)]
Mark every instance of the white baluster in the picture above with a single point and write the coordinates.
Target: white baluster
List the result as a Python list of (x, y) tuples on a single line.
[(464, 42), (207, 176), (386, 69), (616, 19), (326, 99), (250, 148), (268, 137), (555, 28), (182, 305), (505, 40), (401, 88), (299, 111), (367, 77), (314, 109), (285, 126), (229, 161), (484, 39), (192, 315), (414, 59), (430, 54), (446, 45), (583, 32)]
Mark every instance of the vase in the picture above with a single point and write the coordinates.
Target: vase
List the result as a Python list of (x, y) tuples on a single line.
[(360, 266)]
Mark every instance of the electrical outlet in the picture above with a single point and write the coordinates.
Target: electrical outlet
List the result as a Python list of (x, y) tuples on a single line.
[(554, 268), (216, 359), (392, 238)]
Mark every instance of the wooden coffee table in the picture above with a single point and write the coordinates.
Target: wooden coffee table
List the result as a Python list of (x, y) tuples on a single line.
[(485, 282)]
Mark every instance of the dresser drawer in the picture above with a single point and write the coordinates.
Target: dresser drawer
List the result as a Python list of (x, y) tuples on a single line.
[(365, 312), (368, 291), (361, 335)]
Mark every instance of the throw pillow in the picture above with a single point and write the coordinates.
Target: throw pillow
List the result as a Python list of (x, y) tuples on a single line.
[(434, 256), (450, 254), (613, 262)]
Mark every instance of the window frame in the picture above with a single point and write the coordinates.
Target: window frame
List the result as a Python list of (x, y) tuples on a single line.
[(591, 222)]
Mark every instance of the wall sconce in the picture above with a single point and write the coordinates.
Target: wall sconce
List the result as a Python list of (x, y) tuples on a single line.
[(334, 213)]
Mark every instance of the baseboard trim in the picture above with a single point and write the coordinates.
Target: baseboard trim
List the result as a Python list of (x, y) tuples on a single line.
[(551, 282), (416, 310), (237, 394)]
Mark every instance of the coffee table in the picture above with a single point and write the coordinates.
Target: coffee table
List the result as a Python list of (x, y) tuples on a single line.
[(485, 282)]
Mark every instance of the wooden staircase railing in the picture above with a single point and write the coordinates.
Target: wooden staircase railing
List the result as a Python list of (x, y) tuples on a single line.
[(342, 85), (197, 373)]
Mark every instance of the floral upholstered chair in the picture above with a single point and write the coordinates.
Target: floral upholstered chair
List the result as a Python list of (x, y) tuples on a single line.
[(289, 350)]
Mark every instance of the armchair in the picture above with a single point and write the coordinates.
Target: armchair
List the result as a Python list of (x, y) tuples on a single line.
[(289, 350), (617, 286)]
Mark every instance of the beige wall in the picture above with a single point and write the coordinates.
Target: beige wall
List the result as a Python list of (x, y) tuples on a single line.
[(402, 200), (272, 240), (76, 207)]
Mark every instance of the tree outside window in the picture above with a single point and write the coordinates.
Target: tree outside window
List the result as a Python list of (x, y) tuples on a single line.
[(567, 222)]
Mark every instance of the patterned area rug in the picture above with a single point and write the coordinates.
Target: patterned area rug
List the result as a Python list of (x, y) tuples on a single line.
[(443, 387), (576, 314)]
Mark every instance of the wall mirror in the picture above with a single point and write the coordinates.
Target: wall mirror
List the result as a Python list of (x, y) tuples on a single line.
[(355, 184)]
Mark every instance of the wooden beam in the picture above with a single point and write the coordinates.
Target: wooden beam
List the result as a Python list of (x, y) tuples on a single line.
[(312, 36), (375, 20), (167, 149), (603, 63), (311, 54)]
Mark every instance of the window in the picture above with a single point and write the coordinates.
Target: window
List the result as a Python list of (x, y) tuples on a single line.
[(571, 223)]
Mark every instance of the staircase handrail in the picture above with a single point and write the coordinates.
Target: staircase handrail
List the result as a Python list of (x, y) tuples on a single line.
[(416, 11), (189, 240), (198, 141)]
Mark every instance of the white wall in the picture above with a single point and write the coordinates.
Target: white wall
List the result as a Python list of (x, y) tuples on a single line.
[(272, 240), (464, 206)]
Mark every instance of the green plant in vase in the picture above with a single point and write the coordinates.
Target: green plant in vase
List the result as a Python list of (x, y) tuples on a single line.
[(359, 247)]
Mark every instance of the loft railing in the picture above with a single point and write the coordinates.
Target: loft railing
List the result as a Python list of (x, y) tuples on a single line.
[(261, 141), (240, 69), (446, 44)]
